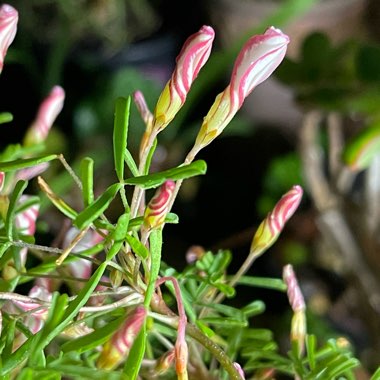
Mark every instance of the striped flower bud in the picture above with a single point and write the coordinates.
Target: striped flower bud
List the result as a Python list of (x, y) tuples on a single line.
[(181, 354), (193, 55), (297, 303), (240, 370), (271, 227), (164, 362), (118, 347), (158, 206), (8, 28), (143, 109), (46, 115), (39, 293), (257, 60)]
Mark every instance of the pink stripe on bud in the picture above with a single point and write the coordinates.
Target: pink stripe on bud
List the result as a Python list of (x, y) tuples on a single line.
[(26, 220), (47, 113), (257, 60), (2, 180), (8, 28), (158, 206), (39, 293), (192, 57), (143, 109), (118, 347), (270, 229), (164, 362), (240, 370), (295, 296), (181, 354)]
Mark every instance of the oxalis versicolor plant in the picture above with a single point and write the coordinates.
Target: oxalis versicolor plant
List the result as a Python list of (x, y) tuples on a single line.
[(103, 305)]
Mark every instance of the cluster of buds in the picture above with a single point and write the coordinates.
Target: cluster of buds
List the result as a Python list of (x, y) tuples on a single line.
[(297, 303)]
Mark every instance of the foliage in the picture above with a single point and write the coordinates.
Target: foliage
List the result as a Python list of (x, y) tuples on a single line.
[(101, 303)]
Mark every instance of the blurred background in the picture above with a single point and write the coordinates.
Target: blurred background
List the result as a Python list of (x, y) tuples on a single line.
[(296, 128)]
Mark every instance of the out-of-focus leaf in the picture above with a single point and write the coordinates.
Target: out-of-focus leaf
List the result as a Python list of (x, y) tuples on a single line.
[(25, 163)]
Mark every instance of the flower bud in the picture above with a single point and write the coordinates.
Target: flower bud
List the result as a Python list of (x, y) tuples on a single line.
[(193, 55), (240, 370), (8, 28), (118, 347), (164, 362), (181, 354), (158, 206), (257, 60), (47, 113), (271, 227), (297, 303)]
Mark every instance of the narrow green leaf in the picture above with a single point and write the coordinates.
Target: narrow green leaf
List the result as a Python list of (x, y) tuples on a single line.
[(137, 247), (136, 355), (94, 339), (131, 163), (263, 282), (181, 172), (25, 163), (311, 345), (118, 235), (87, 177), (89, 214), (41, 339), (5, 117), (225, 321), (254, 308), (120, 134), (16, 194), (376, 375)]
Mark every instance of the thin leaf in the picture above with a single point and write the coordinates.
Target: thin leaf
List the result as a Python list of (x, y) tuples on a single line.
[(137, 247), (25, 163), (311, 345), (120, 134), (5, 117), (92, 212), (16, 194), (181, 172), (263, 282), (118, 235), (224, 322), (131, 163), (87, 178)]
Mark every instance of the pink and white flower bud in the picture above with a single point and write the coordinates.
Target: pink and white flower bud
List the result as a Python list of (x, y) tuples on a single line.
[(164, 362), (181, 353), (8, 28), (31, 172), (158, 206), (46, 115), (143, 109), (118, 347), (257, 60), (240, 370), (297, 303), (40, 293), (271, 227), (192, 57)]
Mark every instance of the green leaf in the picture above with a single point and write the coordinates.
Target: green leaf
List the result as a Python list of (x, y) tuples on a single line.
[(367, 64), (224, 322), (254, 308), (94, 339), (5, 117), (87, 177), (118, 235), (135, 357), (376, 375), (137, 247), (263, 282), (25, 163), (131, 163), (120, 134), (360, 151), (311, 345), (89, 214), (16, 194), (181, 172)]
